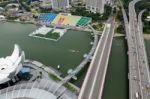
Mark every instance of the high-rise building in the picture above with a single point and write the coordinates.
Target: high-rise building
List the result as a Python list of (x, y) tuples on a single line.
[(60, 4), (96, 6), (83, 1)]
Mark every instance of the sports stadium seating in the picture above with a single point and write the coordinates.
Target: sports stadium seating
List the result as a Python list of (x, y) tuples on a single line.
[(60, 19), (64, 19), (83, 21), (47, 18)]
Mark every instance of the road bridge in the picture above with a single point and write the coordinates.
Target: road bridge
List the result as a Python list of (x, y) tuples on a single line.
[(93, 84), (144, 65), (138, 64)]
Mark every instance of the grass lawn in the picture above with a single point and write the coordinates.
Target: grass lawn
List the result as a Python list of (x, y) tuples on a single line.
[(50, 35)]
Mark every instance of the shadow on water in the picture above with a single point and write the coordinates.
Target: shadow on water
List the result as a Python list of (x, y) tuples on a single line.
[(116, 85), (147, 44)]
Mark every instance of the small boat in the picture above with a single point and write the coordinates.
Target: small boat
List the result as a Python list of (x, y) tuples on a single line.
[(73, 51)]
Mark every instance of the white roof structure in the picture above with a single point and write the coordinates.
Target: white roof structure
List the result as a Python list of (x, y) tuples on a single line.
[(11, 65), (39, 89), (2, 17)]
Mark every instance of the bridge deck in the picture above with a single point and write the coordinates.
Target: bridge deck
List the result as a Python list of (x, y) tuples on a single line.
[(95, 78), (138, 64)]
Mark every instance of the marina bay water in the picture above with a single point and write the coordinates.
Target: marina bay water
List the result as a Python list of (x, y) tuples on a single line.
[(67, 52), (62, 53), (116, 84), (147, 43)]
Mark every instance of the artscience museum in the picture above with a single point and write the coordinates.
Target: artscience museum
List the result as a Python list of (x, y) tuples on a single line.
[(11, 65)]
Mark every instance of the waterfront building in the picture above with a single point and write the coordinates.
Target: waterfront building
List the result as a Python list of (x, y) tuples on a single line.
[(11, 65), (60, 4), (96, 6)]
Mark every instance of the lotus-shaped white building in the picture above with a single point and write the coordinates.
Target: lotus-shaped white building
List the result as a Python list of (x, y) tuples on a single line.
[(11, 65)]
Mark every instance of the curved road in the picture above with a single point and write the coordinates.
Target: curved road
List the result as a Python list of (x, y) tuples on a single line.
[(139, 81)]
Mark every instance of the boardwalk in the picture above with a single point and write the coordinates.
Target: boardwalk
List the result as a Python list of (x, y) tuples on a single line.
[(85, 61)]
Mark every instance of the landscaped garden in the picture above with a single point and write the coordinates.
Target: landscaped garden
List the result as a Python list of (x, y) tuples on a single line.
[(51, 35)]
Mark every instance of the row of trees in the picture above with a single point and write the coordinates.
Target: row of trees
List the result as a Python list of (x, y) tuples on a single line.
[(3, 4), (25, 5), (81, 11), (146, 22), (143, 4)]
